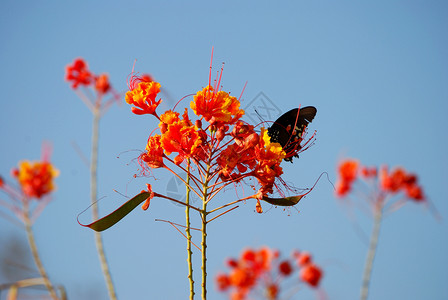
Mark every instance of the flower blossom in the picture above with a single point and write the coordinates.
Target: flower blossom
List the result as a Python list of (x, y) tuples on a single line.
[(102, 84), (36, 179), (216, 107), (389, 182), (263, 269), (78, 73), (143, 97)]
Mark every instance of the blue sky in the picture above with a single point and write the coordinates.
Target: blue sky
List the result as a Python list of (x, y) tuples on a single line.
[(377, 73)]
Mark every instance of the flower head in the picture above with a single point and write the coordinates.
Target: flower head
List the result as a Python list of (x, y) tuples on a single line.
[(384, 182), (102, 84), (216, 107), (143, 97), (261, 268), (348, 172), (311, 274), (153, 156), (399, 180), (78, 73), (36, 178)]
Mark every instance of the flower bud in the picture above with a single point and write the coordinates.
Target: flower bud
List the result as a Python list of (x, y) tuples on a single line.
[(163, 127)]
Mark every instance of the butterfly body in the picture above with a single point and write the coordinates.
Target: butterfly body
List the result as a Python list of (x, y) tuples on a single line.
[(288, 129)]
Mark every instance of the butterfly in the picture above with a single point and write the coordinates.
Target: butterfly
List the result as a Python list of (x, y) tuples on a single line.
[(288, 129)]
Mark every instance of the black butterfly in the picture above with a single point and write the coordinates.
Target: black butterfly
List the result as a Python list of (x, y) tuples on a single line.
[(288, 129)]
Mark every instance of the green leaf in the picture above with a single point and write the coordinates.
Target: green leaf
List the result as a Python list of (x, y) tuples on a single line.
[(287, 201), (114, 217)]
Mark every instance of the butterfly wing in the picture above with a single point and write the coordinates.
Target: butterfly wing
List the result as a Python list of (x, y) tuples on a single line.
[(288, 129)]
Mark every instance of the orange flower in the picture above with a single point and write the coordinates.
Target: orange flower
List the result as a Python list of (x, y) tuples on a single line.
[(148, 200), (239, 294), (216, 106), (180, 139), (78, 73), (102, 85), (143, 96), (169, 117), (243, 277), (36, 178), (154, 153), (311, 274)]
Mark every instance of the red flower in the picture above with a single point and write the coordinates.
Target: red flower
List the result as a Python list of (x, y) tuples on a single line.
[(102, 85), (342, 188), (348, 171), (36, 178), (303, 258), (223, 282), (414, 192), (285, 268), (272, 291), (232, 263), (311, 274), (368, 172), (394, 181), (78, 73)]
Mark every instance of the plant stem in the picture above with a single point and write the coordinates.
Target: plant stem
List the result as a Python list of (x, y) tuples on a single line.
[(204, 232), (93, 198), (32, 242), (378, 213), (204, 252), (187, 230)]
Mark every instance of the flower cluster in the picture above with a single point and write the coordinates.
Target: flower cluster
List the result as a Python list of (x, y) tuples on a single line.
[(216, 138), (35, 182), (264, 269), (36, 179), (388, 182), (78, 74)]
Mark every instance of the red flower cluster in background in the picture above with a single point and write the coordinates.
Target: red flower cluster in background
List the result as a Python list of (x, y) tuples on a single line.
[(264, 270), (78, 74), (36, 178), (398, 180)]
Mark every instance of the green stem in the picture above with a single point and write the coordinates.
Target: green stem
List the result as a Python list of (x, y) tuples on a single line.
[(204, 232), (204, 252), (93, 198), (187, 230), (40, 266), (378, 213)]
